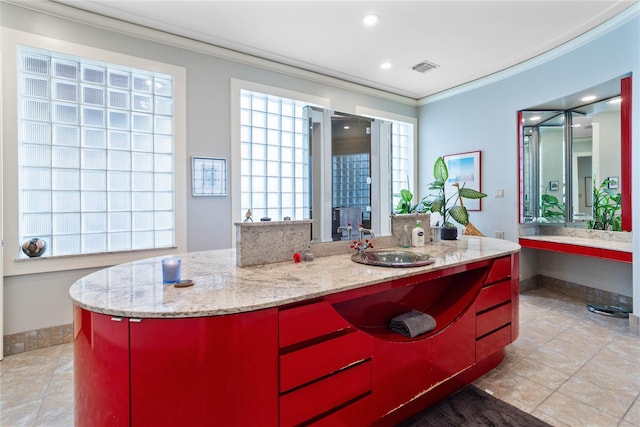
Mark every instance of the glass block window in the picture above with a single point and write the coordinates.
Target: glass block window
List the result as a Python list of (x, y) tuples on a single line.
[(272, 156), (351, 182), (401, 163), (96, 155)]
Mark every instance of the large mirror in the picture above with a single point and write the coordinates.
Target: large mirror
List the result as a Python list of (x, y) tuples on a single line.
[(566, 153), (348, 174)]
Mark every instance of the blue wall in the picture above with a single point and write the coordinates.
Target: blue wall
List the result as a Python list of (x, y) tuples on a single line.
[(484, 117)]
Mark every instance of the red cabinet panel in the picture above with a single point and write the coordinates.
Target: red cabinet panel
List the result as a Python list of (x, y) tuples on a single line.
[(325, 395), (493, 319), (493, 295), (220, 370), (310, 363), (308, 321), (515, 298), (493, 342), (101, 369), (401, 370), (501, 269), (453, 349)]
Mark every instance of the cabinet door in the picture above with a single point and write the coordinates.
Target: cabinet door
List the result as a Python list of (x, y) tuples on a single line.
[(101, 369), (220, 370), (454, 348)]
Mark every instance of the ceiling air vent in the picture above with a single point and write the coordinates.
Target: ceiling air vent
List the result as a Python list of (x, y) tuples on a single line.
[(424, 66)]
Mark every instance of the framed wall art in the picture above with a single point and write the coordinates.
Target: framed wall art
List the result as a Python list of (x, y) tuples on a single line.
[(464, 169), (209, 176)]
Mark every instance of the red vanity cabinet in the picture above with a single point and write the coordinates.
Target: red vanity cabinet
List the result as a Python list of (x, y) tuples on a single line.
[(169, 372), (325, 364), (101, 365), (497, 308), (326, 361)]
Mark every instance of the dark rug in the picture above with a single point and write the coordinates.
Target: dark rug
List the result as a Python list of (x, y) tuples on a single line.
[(472, 407)]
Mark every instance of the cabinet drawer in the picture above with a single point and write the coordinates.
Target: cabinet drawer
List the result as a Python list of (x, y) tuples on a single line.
[(501, 269), (308, 321), (324, 395), (493, 319), (493, 342), (310, 363), (493, 295)]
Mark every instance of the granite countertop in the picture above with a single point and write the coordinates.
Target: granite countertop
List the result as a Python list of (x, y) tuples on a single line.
[(135, 289), (614, 245)]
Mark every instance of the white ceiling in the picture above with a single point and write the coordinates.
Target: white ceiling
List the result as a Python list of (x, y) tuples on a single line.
[(468, 40)]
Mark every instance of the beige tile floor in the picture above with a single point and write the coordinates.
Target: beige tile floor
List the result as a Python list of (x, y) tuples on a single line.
[(569, 367)]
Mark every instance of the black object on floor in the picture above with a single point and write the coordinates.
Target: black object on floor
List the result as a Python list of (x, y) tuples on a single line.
[(472, 407), (608, 310)]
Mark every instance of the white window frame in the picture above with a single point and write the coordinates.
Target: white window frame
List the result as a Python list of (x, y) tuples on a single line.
[(13, 264), (237, 86), (412, 149)]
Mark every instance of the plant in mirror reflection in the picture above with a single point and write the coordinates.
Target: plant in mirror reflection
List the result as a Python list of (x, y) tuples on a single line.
[(551, 208), (607, 208)]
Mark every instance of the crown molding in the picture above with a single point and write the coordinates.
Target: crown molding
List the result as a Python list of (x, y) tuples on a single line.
[(604, 28), (103, 22)]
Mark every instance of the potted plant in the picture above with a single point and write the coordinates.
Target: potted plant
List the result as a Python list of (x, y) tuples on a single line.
[(450, 208), (607, 207), (406, 207)]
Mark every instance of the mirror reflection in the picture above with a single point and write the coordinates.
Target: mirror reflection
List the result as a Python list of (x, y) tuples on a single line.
[(349, 162), (571, 162)]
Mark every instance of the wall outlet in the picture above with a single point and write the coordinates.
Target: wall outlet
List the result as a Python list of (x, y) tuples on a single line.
[(499, 193), (498, 234)]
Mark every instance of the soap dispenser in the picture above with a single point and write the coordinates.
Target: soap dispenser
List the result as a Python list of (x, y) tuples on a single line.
[(417, 235), (405, 241)]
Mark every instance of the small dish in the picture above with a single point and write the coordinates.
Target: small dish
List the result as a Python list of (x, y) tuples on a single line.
[(184, 283)]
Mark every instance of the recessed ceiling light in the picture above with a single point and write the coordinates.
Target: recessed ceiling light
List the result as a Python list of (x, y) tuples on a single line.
[(386, 65), (347, 127), (577, 125), (617, 100), (588, 98), (534, 118), (370, 20)]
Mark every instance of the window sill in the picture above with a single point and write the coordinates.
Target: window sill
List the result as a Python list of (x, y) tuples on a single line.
[(46, 264)]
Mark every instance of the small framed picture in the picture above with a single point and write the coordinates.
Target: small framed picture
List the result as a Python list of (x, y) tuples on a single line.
[(209, 176), (613, 183), (554, 185)]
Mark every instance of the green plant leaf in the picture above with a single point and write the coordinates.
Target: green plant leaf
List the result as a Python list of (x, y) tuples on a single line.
[(437, 185), (606, 208), (460, 214), (437, 205), (440, 171), (406, 195), (469, 193)]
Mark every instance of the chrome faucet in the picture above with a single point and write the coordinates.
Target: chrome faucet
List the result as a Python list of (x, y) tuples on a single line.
[(363, 232), (348, 228)]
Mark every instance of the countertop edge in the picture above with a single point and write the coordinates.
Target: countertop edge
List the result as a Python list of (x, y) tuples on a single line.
[(282, 283)]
